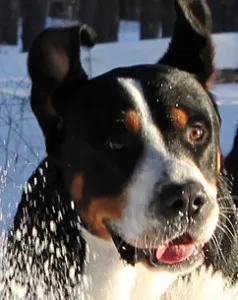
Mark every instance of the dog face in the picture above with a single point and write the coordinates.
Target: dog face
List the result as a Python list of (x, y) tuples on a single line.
[(138, 147), (143, 162)]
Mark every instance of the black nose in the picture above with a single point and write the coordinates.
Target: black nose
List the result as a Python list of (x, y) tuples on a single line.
[(186, 198)]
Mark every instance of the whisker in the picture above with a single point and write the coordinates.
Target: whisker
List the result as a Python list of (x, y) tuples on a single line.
[(214, 239), (228, 197), (229, 221), (145, 240), (136, 249), (228, 209), (229, 234), (119, 245)]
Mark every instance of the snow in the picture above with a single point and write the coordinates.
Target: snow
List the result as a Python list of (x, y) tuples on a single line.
[(21, 141)]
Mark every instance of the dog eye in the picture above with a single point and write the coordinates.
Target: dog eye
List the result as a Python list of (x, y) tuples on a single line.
[(114, 144), (196, 133)]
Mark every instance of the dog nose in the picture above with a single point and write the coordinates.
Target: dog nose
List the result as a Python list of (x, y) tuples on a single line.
[(187, 198)]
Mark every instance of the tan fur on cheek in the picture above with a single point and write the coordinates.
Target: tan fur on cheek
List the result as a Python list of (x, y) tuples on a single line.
[(77, 187), (101, 209), (98, 209)]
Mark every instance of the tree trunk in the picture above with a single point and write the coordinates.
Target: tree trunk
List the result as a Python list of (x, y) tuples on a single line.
[(107, 20), (150, 17), (217, 15), (130, 9), (168, 18), (9, 13), (229, 15), (87, 11), (123, 9), (34, 15), (224, 15), (58, 9), (75, 10)]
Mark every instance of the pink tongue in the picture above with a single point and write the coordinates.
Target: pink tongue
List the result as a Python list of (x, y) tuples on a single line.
[(173, 253)]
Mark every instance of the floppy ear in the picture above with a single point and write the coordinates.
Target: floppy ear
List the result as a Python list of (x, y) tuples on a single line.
[(54, 66), (191, 47)]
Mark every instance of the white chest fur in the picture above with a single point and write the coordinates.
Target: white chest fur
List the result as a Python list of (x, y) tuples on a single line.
[(108, 278)]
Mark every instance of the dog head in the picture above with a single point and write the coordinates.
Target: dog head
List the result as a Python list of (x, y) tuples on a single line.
[(138, 147)]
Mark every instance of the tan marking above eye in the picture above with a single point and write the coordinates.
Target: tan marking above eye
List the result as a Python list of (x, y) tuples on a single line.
[(77, 187), (179, 117), (101, 209), (132, 121)]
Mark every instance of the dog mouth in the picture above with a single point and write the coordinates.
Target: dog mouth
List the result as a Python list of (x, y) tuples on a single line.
[(177, 251)]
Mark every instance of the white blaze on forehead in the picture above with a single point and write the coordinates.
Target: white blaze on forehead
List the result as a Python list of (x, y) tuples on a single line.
[(151, 166), (156, 167), (136, 95)]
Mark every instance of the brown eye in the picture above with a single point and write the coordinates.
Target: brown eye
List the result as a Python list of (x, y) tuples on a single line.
[(114, 144), (196, 133)]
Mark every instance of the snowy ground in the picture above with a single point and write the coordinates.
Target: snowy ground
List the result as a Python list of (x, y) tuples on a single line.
[(21, 142)]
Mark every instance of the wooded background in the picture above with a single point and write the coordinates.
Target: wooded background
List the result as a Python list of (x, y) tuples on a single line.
[(156, 17)]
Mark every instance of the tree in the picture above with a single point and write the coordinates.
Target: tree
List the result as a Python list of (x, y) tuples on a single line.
[(216, 10), (229, 14), (103, 16), (9, 13), (130, 9), (150, 17), (107, 19), (87, 11), (168, 17), (34, 13), (224, 15)]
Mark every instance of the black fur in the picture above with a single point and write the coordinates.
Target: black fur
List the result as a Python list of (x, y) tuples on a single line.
[(231, 162)]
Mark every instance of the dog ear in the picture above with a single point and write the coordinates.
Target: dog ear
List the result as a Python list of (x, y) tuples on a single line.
[(54, 66), (191, 47)]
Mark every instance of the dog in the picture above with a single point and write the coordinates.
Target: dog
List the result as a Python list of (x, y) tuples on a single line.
[(131, 196), (231, 168)]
